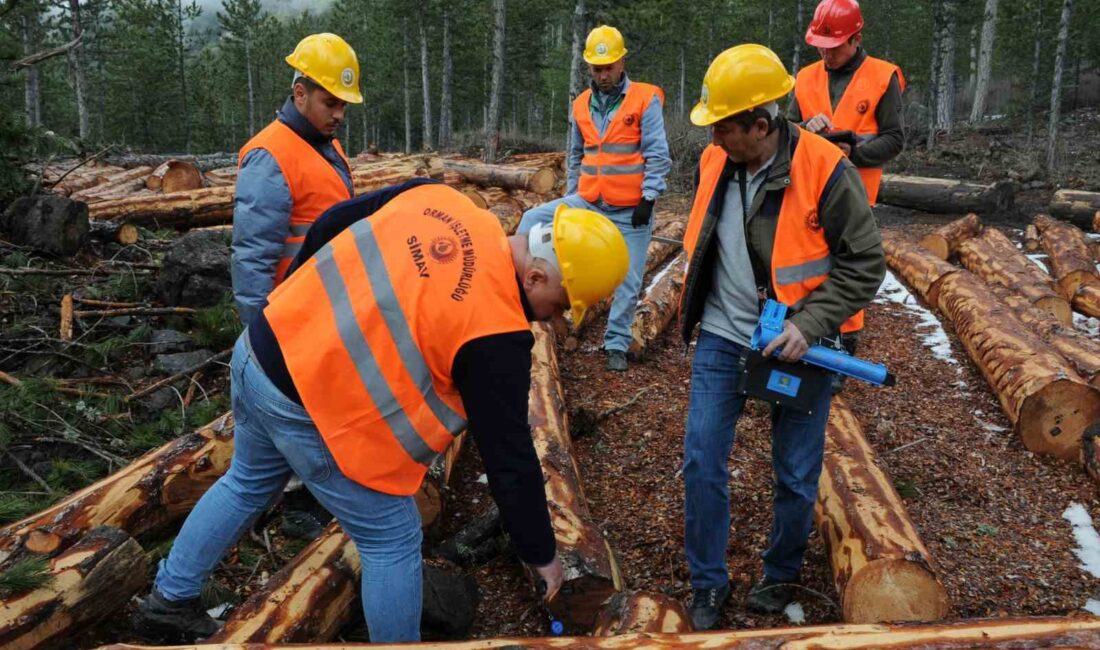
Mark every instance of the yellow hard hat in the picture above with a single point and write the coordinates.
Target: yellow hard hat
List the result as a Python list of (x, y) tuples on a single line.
[(740, 79), (591, 254), (605, 45), (328, 60)]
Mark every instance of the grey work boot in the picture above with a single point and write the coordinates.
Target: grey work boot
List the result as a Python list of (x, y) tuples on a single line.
[(706, 606), (616, 360), (159, 620), (770, 596)]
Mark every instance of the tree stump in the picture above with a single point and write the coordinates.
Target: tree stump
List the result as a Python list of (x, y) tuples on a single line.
[(47, 223)]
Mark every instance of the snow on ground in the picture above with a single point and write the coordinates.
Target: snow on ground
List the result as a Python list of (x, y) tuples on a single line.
[(1088, 546), (795, 614), (1086, 324), (1039, 261), (931, 330), (660, 274)]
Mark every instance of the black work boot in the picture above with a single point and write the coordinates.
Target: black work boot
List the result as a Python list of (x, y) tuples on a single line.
[(159, 620), (616, 360), (706, 606), (770, 596)]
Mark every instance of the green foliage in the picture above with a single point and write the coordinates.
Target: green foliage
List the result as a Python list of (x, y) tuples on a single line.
[(15, 506), (217, 327), (123, 287), (25, 576), (906, 488), (987, 530), (66, 474)]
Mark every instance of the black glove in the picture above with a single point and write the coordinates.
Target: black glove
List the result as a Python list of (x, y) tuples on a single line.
[(643, 212)]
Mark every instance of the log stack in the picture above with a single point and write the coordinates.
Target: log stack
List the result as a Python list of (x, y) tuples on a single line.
[(882, 570), (946, 196), (1071, 264), (947, 238), (1075, 206)]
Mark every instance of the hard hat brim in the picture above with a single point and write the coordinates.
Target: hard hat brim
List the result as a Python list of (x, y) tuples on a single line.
[(825, 42), (603, 60), (701, 115)]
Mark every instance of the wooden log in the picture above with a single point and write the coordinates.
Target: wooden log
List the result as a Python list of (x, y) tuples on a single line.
[(590, 569), (209, 206), (881, 568), (84, 178), (48, 223), (1079, 349), (995, 259), (945, 195), (476, 543), (1067, 248), (88, 582), (1048, 403), (538, 180), (65, 331), (221, 177), (118, 232), (1031, 238), (430, 497), (507, 209), (429, 165), (1087, 300), (124, 182), (1061, 632), (154, 490), (203, 162), (641, 612), (947, 238), (657, 309), (551, 159), (917, 266), (175, 176), (308, 600), (1076, 206)]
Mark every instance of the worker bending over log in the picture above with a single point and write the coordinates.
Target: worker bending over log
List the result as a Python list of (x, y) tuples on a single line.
[(391, 334), (778, 213), (849, 91), (618, 160)]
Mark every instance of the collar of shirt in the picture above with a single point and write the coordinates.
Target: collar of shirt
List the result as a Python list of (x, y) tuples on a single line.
[(298, 123), (603, 100), (852, 64)]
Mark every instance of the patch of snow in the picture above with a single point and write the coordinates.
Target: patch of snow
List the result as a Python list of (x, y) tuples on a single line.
[(989, 426), (934, 337), (795, 614), (1088, 540), (1092, 607), (1038, 259), (1086, 324), (662, 273), (483, 479), (217, 611)]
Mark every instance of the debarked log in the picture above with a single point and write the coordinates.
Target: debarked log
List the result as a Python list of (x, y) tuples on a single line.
[(919, 268), (1048, 403), (657, 309), (154, 490), (590, 568), (1076, 206), (175, 176), (943, 242), (881, 568), (994, 258), (1067, 248), (87, 582), (946, 195), (536, 179), (209, 206), (634, 612), (988, 634)]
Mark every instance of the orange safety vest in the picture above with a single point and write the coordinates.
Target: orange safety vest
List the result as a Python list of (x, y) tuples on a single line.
[(313, 183), (370, 325), (856, 110), (801, 259), (613, 166)]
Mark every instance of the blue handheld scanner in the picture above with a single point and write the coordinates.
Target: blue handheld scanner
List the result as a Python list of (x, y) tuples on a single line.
[(771, 326)]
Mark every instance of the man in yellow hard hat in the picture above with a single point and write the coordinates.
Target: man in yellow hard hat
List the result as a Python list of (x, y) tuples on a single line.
[(617, 166), (405, 322), (292, 170), (778, 213)]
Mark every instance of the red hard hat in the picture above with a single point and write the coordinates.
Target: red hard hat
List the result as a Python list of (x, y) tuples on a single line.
[(835, 21)]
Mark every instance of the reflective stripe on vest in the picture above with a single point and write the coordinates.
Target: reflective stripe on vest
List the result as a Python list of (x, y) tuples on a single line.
[(800, 259), (856, 109), (613, 167), (370, 325), (314, 184)]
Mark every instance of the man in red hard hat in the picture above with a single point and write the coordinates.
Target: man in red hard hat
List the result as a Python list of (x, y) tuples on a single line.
[(847, 90)]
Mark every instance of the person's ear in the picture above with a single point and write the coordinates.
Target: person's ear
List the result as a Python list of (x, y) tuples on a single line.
[(534, 277)]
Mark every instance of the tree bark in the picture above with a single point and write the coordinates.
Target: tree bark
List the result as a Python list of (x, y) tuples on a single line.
[(151, 492), (934, 70), (251, 85), (1071, 263), (492, 130), (989, 634), (405, 72), (658, 307), (796, 56), (1048, 403), (425, 85), (1076, 206), (945, 104), (76, 63), (204, 162), (1035, 59), (1056, 84), (88, 582), (591, 571), (174, 176), (882, 570), (919, 268), (947, 238), (209, 206), (574, 69), (181, 53), (31, 94), (538, 180), (51, 224), (985, 62), (446, 102), (946, 196), (114, 185), (993, 258), (642, 612), (118, 232)]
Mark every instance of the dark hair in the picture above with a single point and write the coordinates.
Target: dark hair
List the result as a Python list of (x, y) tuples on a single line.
[(746, 119), (307, 83)]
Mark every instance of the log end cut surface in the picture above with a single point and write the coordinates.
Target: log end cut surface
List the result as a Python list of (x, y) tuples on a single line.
[(937, 245), (895, 590), (642, 612), (1053, 418)]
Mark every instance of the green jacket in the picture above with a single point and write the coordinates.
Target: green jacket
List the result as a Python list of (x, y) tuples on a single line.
[(859, 263)]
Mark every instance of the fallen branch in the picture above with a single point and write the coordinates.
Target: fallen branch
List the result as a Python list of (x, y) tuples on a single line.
[(39, 57), (179, 375), (133, 311), (96, 271)]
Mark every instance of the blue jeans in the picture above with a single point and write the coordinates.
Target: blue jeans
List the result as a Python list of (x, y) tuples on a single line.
[(621, 317), (273, 438), (798, 445)]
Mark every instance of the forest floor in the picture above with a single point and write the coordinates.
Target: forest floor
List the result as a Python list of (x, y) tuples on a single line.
[(992, 514)]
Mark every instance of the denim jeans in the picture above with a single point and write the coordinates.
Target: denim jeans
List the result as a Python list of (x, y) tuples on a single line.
[(798, 444), (274, 437), (621, 316)]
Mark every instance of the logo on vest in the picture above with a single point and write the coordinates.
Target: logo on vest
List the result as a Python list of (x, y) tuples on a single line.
[(629, 120), (862, 107), (416, 252), (347, 77), (601, 49), (443, 250), (812, 222)]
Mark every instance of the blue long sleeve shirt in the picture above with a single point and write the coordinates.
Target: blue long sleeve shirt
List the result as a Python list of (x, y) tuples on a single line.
[(654, 142), (261, 213)]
